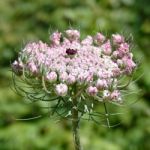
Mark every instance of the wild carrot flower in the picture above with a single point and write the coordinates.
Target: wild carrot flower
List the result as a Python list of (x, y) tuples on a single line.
[(75, 72), (81, 62)]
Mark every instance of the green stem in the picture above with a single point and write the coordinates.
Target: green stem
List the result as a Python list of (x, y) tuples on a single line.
[(75, 126)]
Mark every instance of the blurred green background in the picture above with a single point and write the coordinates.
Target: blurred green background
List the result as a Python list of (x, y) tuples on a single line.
[(30, 20)]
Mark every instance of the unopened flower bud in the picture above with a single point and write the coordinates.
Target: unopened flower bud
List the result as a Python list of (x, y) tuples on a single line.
[(117, 39), (101, 84), (116, 72), (115, 54), (120, 63), (32, 67), (71, 79), (123, 49), (129, 64), (55, 38), (99, 38), (17, 68), (106, 48), (51, 77), (106, 94), (63, 76), (92, 90), (61, 89), (115, 95), (73, 34)]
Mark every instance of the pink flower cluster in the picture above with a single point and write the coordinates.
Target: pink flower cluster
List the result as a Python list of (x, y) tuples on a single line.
[(95, 62)]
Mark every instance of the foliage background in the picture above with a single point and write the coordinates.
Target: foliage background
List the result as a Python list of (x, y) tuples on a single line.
[(25, 20)]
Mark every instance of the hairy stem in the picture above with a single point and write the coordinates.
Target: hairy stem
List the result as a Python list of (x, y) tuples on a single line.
[(75, 124)]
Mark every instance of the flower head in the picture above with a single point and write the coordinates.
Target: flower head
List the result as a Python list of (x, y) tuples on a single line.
[(92, 63)]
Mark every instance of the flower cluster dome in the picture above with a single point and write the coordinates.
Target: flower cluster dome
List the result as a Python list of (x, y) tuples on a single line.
[(96, 63)]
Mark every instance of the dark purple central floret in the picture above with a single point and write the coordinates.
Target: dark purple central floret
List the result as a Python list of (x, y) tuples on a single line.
[(70, 51)]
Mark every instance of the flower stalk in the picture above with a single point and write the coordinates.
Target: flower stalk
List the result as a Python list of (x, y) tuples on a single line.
[(75, 126), (75, 123)]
